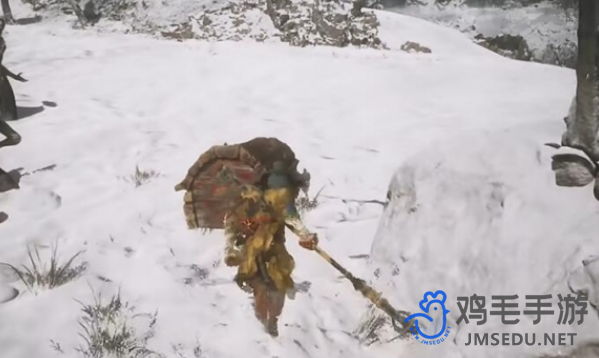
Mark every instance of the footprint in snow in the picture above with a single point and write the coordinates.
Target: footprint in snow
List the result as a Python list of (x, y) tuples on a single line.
[(45, 200), (301, 347)]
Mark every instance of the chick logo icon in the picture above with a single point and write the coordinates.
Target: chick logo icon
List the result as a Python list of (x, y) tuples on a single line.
[(439, 327)]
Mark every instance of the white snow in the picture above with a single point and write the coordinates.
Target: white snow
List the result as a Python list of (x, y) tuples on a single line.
[(540, 25), (352, 116), (488, 221)]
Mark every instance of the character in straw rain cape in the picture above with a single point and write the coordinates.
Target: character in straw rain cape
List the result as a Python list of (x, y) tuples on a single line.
[(249, 190), (255, 234)]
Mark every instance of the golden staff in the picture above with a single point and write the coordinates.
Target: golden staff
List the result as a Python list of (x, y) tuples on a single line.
[(375, 297)]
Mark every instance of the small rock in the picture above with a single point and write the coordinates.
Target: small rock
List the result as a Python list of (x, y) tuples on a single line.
[(182, 31), (415, 47), (509, 46), (572, 170)]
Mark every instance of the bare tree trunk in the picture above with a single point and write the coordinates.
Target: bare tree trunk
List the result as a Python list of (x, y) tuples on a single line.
[(78, 12), (576, 162), (7, 12), (582, 130)]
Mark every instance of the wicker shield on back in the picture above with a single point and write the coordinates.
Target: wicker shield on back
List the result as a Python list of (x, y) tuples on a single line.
[(219, 173)]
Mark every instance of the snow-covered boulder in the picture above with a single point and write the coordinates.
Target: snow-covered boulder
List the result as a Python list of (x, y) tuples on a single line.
[(572, 167), (480, 214), (297, 22), (575, 161), (561, 54), (506, 45), (318, 22), (232, 22)]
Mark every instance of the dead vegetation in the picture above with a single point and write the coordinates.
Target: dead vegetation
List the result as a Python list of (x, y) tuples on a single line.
[(43, 274), (305, 204), (107, 328), (141, 176)]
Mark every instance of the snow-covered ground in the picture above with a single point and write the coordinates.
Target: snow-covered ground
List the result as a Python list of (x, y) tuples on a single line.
[(490, 222), (541, 25), (352, 117)]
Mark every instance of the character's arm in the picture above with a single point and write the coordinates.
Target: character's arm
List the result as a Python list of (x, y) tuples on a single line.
[(8, 73), (294, 222), (308, 239)]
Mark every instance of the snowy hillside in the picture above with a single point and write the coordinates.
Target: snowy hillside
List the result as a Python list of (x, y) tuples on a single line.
[(352, 117), (538, 31), (549, 31)]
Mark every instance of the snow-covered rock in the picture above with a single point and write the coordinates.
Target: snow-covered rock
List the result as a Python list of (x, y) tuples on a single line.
[(510, 46), (480, 214), (572, 167), (297, 22), (317, 22), (233, 22)]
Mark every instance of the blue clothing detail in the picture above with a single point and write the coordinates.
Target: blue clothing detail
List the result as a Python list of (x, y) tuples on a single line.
[(278, 181), (291, 210)]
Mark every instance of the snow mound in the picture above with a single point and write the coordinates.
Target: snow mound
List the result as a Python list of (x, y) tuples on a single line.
[(481, 214), (397, 30), (549, 32)]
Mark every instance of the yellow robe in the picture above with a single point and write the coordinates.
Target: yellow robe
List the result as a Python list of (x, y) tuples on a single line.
[(268, 214)]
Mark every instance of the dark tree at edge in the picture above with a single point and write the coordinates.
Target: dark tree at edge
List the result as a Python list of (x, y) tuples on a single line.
[(7, 12), (584, 128)]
